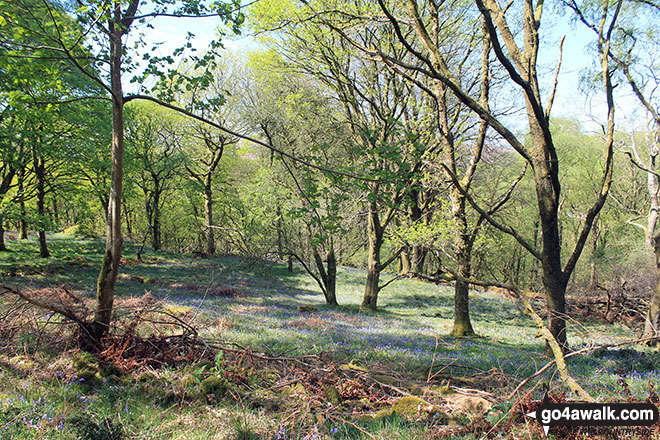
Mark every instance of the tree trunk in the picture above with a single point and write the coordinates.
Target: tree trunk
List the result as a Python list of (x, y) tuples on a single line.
[(23, 229), (331, 285), (546, 180), (22, 222), (418, 258), (463, 253), (107, 279), (554, 279), (208, 213), (595, 235), (56, 212), (39, 170), (371, 289), (416, 263), (278, 228), (127, 219), (155, 228), (652, 324), (404, 263), (329, 276), (3, 248), (375, 234), (103, 204), (462, 324)]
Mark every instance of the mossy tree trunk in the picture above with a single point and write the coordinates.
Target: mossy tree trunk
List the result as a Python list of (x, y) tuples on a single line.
[(463, 255), (375, 236), (105, 287)]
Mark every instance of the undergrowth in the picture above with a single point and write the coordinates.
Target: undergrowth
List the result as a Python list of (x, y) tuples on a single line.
[(260, 369)]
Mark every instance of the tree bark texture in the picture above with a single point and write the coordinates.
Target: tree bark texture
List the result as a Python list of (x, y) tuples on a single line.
[(404, 263), (107, 279), (375, 234), (328, 276), (208, 214)]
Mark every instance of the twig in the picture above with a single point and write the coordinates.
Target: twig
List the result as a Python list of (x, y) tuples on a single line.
[(440, 371), (84, 325), (435, 349), (339, 419)]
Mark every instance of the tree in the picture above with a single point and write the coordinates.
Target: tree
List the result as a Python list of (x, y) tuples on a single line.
[(372, 99), (110, 23), (520, 64), (292, 112), (206, 145), (40, 132), (635, 51), (448, 123), (154, 138)]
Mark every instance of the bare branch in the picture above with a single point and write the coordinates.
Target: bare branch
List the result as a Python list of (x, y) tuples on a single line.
[(555, 80), (47, 306), (641, 167), (489, 218), (507, 195)]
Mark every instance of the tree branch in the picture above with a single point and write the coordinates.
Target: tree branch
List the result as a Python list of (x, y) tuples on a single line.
[(248, 138), (506, 229), (555, 81)]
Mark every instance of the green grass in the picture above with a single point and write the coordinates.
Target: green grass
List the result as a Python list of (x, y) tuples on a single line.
[(407, 335)]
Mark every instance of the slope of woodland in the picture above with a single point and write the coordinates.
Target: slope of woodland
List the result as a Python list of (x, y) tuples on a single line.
[(375, 220)]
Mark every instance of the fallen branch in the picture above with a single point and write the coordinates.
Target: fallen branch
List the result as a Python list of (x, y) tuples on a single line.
[(69, 314), (543, 331), (578, 352)]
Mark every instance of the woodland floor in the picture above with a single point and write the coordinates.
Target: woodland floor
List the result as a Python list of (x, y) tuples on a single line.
[(330, 373)]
